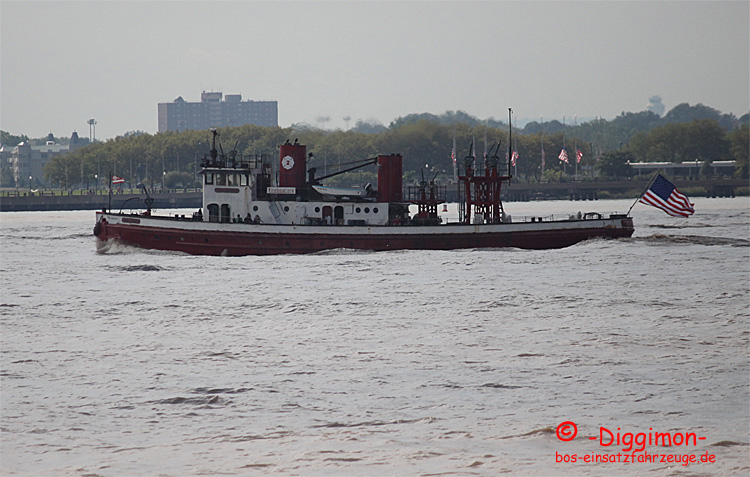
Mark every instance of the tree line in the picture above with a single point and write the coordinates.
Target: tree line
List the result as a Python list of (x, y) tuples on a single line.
[(426, 142)]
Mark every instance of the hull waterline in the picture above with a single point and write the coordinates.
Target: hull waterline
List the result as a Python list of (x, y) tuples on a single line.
[(257, 239)]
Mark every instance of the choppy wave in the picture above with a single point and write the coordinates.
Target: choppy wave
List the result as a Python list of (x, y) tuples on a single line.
[(195, 401), (136, 268), (374, 423), (46, 237), (681, 226), (729, 444), (693, 240)]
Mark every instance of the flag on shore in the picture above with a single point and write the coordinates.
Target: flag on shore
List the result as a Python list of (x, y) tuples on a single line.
[(563, 156), (514, 158), (117, 180), (663, 195), (579, 155)]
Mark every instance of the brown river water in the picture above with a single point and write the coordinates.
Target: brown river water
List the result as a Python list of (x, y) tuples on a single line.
[(469, 362)]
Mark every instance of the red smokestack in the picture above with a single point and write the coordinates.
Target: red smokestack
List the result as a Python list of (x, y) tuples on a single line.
[(389, 178), (292, 165)]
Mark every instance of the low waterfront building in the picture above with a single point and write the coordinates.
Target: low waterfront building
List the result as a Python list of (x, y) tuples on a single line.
[(683, 169), (27, 161)]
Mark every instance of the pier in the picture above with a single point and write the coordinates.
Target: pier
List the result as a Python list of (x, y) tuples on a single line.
[(62, 200), (12, 201)]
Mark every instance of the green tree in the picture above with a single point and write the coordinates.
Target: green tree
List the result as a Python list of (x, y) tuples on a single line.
[(616, 164), (6, 177), (178, 179), (739, 140), (11, 140)]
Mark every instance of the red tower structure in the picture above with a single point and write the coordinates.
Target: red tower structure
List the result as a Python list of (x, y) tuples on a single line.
[(482, 192)]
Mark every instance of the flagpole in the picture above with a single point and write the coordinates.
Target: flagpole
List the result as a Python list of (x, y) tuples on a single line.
[(575, 143), (515, 151), (651, 181), (455, 156), (110, 192), (510, 141), (565, 169), (542, 124)]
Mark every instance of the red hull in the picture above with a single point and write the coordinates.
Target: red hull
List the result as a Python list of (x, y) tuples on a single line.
[(296, 241)]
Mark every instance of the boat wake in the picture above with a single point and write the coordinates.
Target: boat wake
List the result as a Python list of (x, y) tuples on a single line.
[(117, 247), (344, 251), (114, 247)]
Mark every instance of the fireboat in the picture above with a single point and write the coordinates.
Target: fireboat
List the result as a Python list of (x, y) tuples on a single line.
[(248, 209)]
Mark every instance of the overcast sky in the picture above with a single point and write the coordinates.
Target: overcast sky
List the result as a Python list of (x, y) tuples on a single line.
[(65, 62)]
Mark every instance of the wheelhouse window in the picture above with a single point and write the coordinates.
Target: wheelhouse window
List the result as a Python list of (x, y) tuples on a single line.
[(208, 179), (221, 179)]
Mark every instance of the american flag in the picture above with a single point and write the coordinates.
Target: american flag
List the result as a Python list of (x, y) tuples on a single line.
[(514, 158), (579, 155), (663, 195), (117, 180), (563, 156)]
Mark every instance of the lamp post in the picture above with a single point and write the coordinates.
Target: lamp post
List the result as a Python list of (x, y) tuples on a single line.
[(96, 183), (92, 130), (195, 168), (29, 185)]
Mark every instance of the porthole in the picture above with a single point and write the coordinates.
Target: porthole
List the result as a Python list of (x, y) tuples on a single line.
[(286, 208), (358, 210), (367, 210), (317, 209), (375, 210), (255, 208)]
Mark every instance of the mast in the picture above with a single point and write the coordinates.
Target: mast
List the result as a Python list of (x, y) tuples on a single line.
[(461, 204), (484, 158)]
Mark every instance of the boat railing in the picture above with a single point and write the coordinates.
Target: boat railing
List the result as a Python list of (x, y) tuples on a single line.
[(253, 162)]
